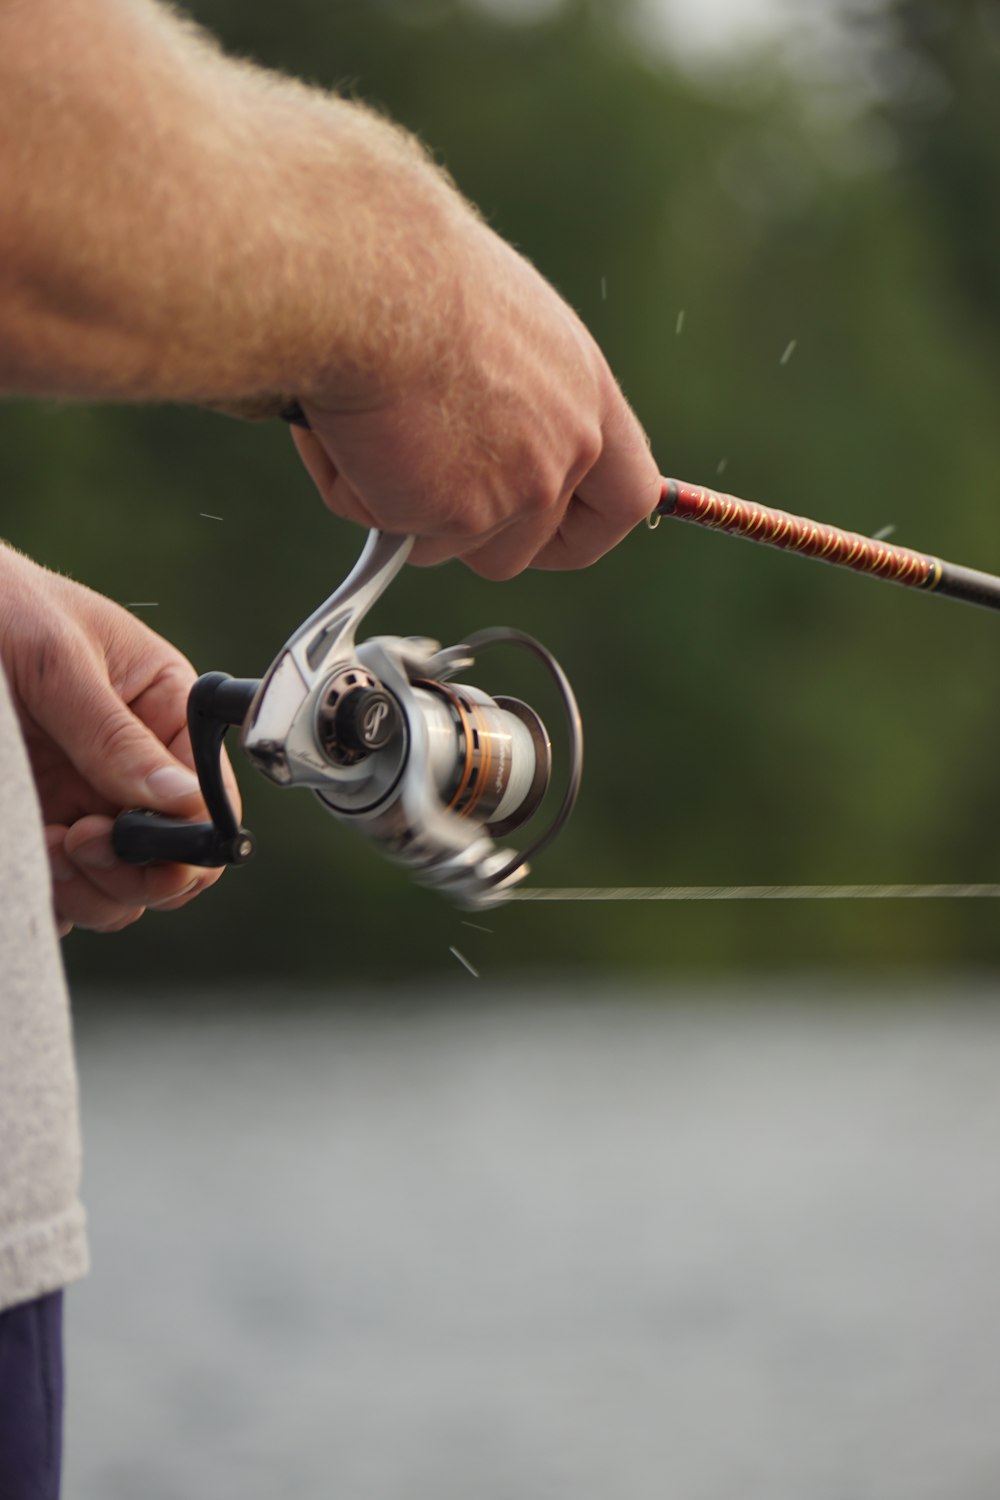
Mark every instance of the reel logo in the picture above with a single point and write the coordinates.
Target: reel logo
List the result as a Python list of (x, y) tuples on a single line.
[(374, 717)]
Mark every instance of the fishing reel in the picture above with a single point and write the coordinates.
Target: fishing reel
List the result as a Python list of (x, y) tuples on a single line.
[(433, 771)]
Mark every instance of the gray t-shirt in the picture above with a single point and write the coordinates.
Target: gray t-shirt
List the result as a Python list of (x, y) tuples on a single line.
[(43, 1242)]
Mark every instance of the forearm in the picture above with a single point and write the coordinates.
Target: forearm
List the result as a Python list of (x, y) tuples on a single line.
[(178, 226)]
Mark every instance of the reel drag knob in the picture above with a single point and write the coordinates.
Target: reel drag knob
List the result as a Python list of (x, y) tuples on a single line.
[(365, 719), (357, 716)]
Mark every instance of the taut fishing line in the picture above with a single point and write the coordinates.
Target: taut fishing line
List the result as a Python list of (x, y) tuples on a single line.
[(757, 893)]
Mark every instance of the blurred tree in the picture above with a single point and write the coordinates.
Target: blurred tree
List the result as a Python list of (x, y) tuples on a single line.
[(936, 64)]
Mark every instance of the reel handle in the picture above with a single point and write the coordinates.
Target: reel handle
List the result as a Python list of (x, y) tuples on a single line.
[(141, 836)]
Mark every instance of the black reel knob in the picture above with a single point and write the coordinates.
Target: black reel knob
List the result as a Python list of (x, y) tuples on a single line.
[(357, 717), (365, 719)]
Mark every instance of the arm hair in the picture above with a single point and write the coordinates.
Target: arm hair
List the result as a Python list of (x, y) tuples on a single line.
[(178, 225)]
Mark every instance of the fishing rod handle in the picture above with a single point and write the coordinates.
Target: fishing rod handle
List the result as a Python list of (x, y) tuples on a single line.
[(826, 543)]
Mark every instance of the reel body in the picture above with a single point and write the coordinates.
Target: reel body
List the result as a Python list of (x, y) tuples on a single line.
[(433, 771)]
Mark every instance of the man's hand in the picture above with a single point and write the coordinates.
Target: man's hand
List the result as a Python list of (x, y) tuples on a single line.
[(508, 444), (102, 703)]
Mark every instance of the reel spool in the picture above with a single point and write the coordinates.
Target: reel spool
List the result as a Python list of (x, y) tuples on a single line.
[(431, 770)]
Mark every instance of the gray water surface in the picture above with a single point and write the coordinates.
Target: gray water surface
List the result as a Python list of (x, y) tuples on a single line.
[(517, 1248)]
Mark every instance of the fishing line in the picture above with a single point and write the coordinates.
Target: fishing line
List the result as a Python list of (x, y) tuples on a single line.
[(757, 893)]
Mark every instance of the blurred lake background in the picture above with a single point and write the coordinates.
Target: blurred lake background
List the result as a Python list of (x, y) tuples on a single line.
[(541, 1242), (643, 1212)]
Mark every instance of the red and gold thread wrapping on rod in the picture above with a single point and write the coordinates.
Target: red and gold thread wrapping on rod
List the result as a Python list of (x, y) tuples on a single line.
[(776, 528)]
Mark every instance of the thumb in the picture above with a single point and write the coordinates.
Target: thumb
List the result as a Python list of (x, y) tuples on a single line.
[(112, 749)]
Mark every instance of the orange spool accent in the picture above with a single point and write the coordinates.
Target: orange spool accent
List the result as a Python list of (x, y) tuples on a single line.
[(470, 722)]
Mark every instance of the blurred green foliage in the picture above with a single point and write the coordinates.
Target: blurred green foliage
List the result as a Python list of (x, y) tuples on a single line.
[(750, 718)]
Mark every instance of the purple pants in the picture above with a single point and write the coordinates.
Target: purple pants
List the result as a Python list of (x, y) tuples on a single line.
[(31, 1399)]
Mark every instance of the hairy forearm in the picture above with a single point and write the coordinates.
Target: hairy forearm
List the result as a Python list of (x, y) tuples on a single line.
[(175, 225)]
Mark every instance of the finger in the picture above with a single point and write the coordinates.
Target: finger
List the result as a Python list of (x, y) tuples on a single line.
[(62, 872), (60, 866), (88, 849), (337, 494), (580, 540), (517, 546), (596, 510), (622, 489), (429, 551), (75, 900), (79, 903), (509, 545), (430, 554)]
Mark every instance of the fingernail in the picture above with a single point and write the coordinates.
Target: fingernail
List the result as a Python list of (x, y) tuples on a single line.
[(97, 855), (172, 782)]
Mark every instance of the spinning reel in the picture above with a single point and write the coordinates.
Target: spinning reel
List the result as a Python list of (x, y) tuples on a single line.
[(431, 770)]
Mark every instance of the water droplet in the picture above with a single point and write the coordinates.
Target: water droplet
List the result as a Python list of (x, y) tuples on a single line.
[(464, 961)]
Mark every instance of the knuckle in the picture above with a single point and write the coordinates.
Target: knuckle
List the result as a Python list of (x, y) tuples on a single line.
[(174, 682), (590, 446), (178, 669), (466, 524), (543, 490), (115, 736)]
